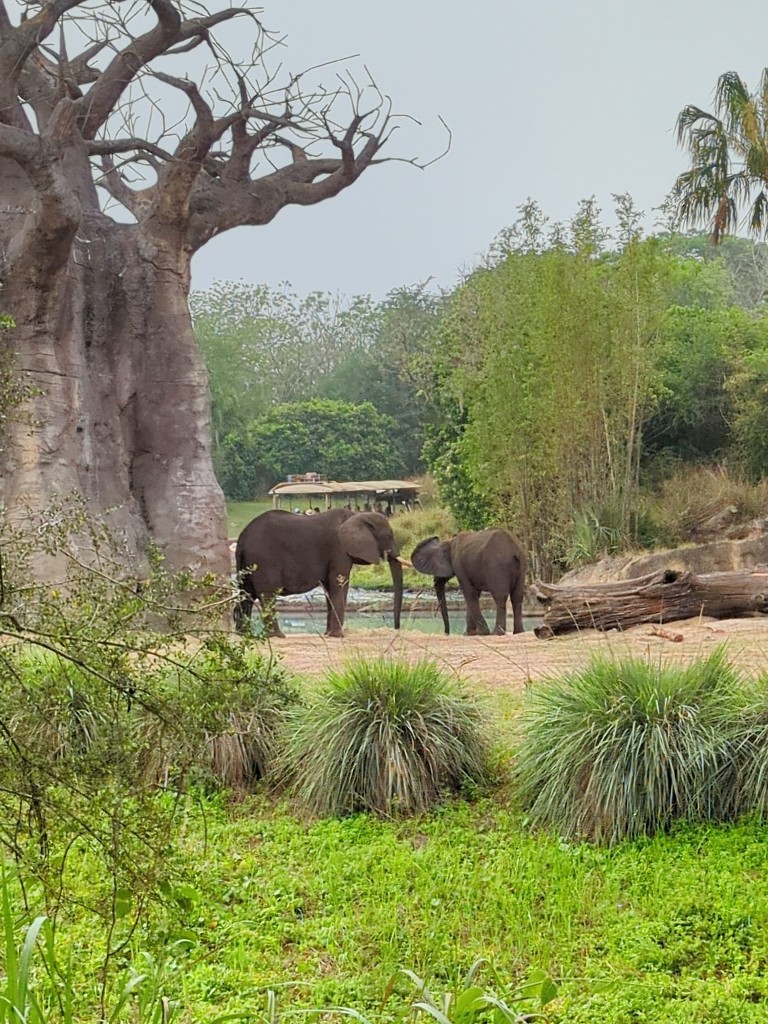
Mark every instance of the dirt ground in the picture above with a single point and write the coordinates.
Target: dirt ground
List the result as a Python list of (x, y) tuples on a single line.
[(514, 661)]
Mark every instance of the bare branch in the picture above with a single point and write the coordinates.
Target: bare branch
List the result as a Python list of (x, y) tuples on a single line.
[(116, 187), (204, 114), (97, 105), (123, 69), (18, 145), (104, 147), (80, 65)]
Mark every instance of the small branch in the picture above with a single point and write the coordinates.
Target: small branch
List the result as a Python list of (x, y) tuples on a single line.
[(96, 106), (107, 147), (18, 145), (117, 188)]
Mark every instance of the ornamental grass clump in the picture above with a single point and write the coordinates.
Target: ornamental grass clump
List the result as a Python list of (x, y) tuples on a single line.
[(752, 753), (623, 749), (384, 736)]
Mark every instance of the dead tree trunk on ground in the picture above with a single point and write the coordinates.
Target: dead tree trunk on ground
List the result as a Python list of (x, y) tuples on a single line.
[(664, 596)]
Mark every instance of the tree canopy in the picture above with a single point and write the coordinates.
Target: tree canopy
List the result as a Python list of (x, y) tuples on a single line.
[(338, 440)]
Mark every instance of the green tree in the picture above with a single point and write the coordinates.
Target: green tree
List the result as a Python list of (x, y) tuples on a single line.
[(339, 440), (699, 352), (747, 388), (728, 177), (736, 270), (263, 347), (549, 355), (391, 371)]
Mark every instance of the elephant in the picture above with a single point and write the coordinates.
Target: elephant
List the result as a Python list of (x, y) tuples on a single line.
[(489, 560), (282, 553)]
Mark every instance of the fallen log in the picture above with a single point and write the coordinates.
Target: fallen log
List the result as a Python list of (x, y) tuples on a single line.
[(663, 596)]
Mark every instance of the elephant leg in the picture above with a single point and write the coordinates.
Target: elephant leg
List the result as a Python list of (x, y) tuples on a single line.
[(242, 612), (336, 603), (476, 624), (269, 615), (500, 599), (516, 596)]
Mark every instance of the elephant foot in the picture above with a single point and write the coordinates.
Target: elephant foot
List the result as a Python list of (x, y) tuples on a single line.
[(274, 634), (334, 634), (499, 631)]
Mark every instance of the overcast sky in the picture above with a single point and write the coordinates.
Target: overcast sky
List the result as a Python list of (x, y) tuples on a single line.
[(545, 98)]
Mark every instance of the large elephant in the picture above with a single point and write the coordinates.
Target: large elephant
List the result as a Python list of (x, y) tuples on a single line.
[(489, 560), (284, 553)]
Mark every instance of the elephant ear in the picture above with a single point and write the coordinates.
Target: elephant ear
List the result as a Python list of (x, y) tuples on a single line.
[(433, 558), (358, 540)]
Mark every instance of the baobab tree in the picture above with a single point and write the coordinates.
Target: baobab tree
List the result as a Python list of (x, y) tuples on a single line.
[(103, 203)]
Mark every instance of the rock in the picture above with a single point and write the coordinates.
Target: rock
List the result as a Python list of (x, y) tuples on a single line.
[(717, 556)]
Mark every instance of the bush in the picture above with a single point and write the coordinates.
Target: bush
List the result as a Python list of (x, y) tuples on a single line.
[(751, 753), (692, 495), (623, 749), (212, 716), (387, 737)]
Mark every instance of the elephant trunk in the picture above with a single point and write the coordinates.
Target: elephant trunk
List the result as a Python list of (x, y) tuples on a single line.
[(440, 593), (397, 582)]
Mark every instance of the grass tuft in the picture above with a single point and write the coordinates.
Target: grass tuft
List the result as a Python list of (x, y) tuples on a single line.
[(623, 749), (387, 737)]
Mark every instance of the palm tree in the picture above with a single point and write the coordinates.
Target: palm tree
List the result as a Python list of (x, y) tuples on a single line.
[(729, 159)]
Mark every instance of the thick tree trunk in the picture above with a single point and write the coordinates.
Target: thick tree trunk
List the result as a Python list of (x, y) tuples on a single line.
[(664, 596), (122, 418)]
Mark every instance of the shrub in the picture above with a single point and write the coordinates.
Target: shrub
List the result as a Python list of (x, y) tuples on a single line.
[(467, 1002), (387, 737), (215, 714), (623, 749), (692, 495)]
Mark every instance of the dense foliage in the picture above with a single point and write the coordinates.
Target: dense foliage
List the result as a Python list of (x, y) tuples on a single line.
[(339, 440), (556, 390), (575, 372), (265, 349)]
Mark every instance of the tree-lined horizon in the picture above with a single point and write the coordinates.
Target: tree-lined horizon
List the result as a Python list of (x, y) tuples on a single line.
[(120, 411)]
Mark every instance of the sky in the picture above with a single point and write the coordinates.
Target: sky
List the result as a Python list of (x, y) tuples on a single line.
[(547, 99)]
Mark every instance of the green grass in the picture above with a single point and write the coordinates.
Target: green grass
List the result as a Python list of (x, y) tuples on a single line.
[(240, 513), (671, 929)]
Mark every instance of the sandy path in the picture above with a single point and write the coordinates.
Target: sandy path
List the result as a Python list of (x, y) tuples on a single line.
[(513, 661)]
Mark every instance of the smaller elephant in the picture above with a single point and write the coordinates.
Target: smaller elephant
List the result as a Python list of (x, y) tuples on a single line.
[(490, 560)]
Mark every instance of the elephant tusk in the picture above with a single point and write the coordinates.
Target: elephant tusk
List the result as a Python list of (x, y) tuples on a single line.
[(404, 561)]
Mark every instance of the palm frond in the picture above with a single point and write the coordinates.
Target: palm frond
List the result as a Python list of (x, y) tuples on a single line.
[(689, 117), (733, 102), (758, 220), (729, 158)]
